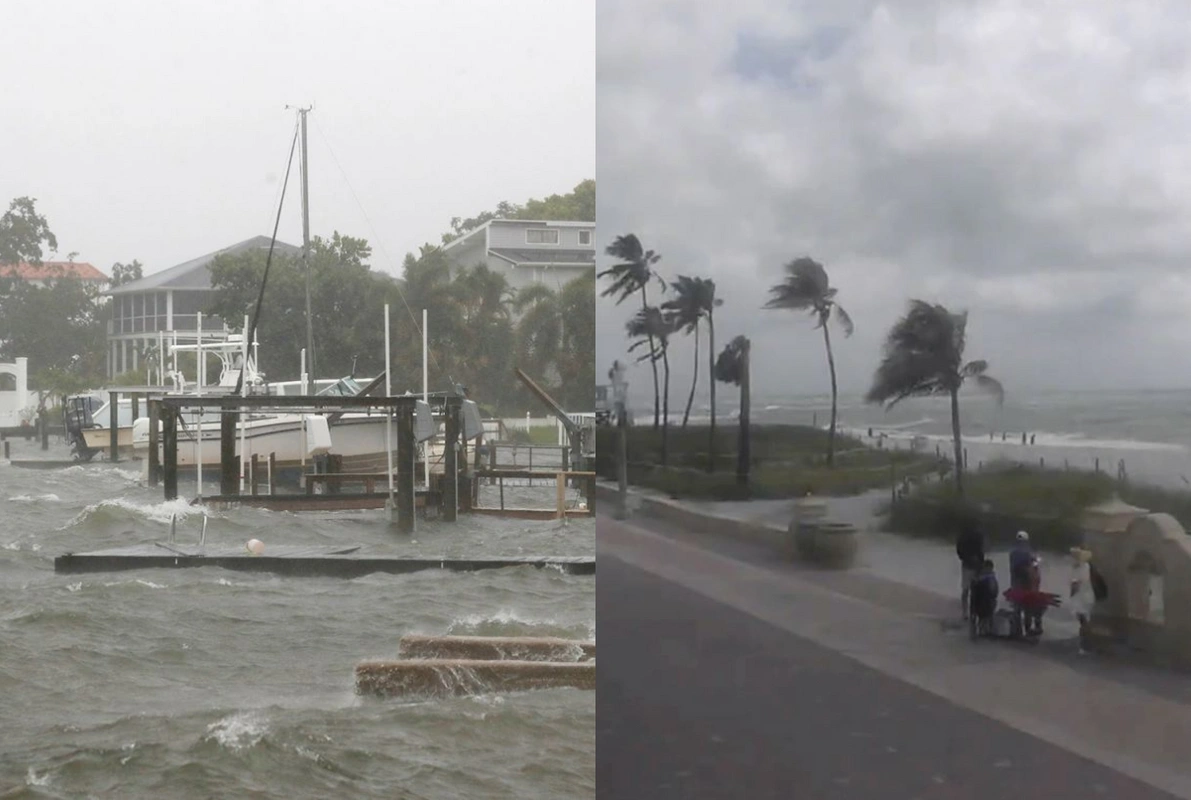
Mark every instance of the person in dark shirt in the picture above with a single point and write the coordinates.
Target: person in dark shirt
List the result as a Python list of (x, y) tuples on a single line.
[(1021, 559), (969, 546), (985, 591)]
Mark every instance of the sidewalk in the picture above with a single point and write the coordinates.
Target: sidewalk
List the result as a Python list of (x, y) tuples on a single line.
[(1135, 720)]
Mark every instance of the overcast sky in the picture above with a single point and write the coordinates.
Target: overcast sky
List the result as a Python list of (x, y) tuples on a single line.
[(158, 131), (1030, 162)]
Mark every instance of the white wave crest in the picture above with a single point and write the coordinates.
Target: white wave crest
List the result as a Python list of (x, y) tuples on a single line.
[(34, 498), (33, 779), (156, 512), (238, 731)]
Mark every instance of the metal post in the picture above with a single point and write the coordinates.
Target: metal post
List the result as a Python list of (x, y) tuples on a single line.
[(390, 503), (272, 471), (113, 430), (154, 441), (620, 390), (425, 394), (136, 406), (306, 243), (169, 451), (450, 481), (254, 470), (201, 374)]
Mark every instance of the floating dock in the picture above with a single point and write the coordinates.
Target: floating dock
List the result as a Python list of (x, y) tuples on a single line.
[(446, 666), (296, 561)]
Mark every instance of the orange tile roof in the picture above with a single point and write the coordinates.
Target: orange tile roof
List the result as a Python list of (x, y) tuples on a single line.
[(53, 269)]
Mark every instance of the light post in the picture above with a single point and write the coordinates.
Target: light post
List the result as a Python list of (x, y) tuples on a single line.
[(620, 398)]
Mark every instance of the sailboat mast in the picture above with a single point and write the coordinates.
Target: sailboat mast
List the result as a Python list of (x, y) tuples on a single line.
[(306, 242)]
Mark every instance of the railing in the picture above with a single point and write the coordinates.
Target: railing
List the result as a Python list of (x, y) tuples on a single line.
[(562, 479)]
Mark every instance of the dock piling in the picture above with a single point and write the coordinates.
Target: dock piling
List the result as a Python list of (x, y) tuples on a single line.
[(114, 425), (154, 442), (450, 480), (407, 454), (229, 467), (169, 447)]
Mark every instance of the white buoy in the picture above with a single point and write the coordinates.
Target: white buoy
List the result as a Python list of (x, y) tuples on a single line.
[(255, 546)]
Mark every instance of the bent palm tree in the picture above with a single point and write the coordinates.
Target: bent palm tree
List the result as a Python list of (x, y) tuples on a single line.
[(924, 355), (807, 288), (733, 367), (633, 275), (651, 326), (695, 300)]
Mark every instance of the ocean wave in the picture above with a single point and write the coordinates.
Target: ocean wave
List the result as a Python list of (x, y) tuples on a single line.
[(238, 731), (1040, 439), (119, 509), (510, 623), (34, 498)]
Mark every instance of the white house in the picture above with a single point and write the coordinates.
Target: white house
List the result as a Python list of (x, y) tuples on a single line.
[(527, 251), (17, 403)]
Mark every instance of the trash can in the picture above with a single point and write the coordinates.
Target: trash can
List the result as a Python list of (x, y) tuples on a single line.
[(835, 544), (807, 513)]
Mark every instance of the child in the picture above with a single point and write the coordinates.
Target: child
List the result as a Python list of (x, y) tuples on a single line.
[(985, 590)]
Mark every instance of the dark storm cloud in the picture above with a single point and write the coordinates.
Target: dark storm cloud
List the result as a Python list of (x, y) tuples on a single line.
[(1013, 158)]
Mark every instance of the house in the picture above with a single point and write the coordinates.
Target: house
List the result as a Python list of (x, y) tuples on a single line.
[(527, 251), (46, 271), (168, 303)]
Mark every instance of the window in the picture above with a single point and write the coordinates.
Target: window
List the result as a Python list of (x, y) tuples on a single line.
[(541, 236), (585, 238)]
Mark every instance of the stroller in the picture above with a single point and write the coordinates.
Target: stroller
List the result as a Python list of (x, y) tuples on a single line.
[(1027, 608)]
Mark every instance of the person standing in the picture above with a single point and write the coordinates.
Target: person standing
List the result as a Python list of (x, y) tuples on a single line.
[(1083, 595), (1021, 559), (969, 546)]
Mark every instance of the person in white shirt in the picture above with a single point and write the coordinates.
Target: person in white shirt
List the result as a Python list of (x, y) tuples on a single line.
[(1082, 594)]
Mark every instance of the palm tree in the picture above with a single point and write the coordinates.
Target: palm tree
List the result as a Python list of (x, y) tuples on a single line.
[(807, 288), (652, 326), (629, 277), (733, 367), (539, 330), (924, 355), (711, 304), (695, 299)]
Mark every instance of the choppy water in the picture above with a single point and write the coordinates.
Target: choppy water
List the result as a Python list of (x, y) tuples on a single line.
[(209, 683), (1150, 431)]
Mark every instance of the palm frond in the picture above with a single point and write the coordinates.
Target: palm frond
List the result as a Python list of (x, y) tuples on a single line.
[(842, 317), (992, 386), (974, 368)]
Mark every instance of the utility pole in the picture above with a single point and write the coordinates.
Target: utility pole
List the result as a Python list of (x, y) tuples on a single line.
[(306, 243), (620, 397)]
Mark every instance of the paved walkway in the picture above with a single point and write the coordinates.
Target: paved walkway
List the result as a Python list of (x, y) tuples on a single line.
[(700, 700), (895, 629)]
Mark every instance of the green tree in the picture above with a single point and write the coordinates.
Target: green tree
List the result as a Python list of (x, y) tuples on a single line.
[(632, 276), (653, 327), (126, 273), (807, 288), (348, 298), (923, 356), (577, 358), (24, 232), (732, 366), (60, 328)]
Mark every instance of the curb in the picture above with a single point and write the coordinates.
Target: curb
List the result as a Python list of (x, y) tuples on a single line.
[(696, 521)]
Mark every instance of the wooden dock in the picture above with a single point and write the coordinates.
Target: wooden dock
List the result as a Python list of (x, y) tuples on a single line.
[(295, 561)]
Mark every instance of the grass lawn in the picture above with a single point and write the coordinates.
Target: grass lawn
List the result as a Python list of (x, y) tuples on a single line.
[(1011, 497), (537, 435), (786, 461)]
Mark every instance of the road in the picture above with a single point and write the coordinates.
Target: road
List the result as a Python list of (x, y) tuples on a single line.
[(699, 700)]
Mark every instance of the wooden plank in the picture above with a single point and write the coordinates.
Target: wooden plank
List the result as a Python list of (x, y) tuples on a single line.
[(499, 648)]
